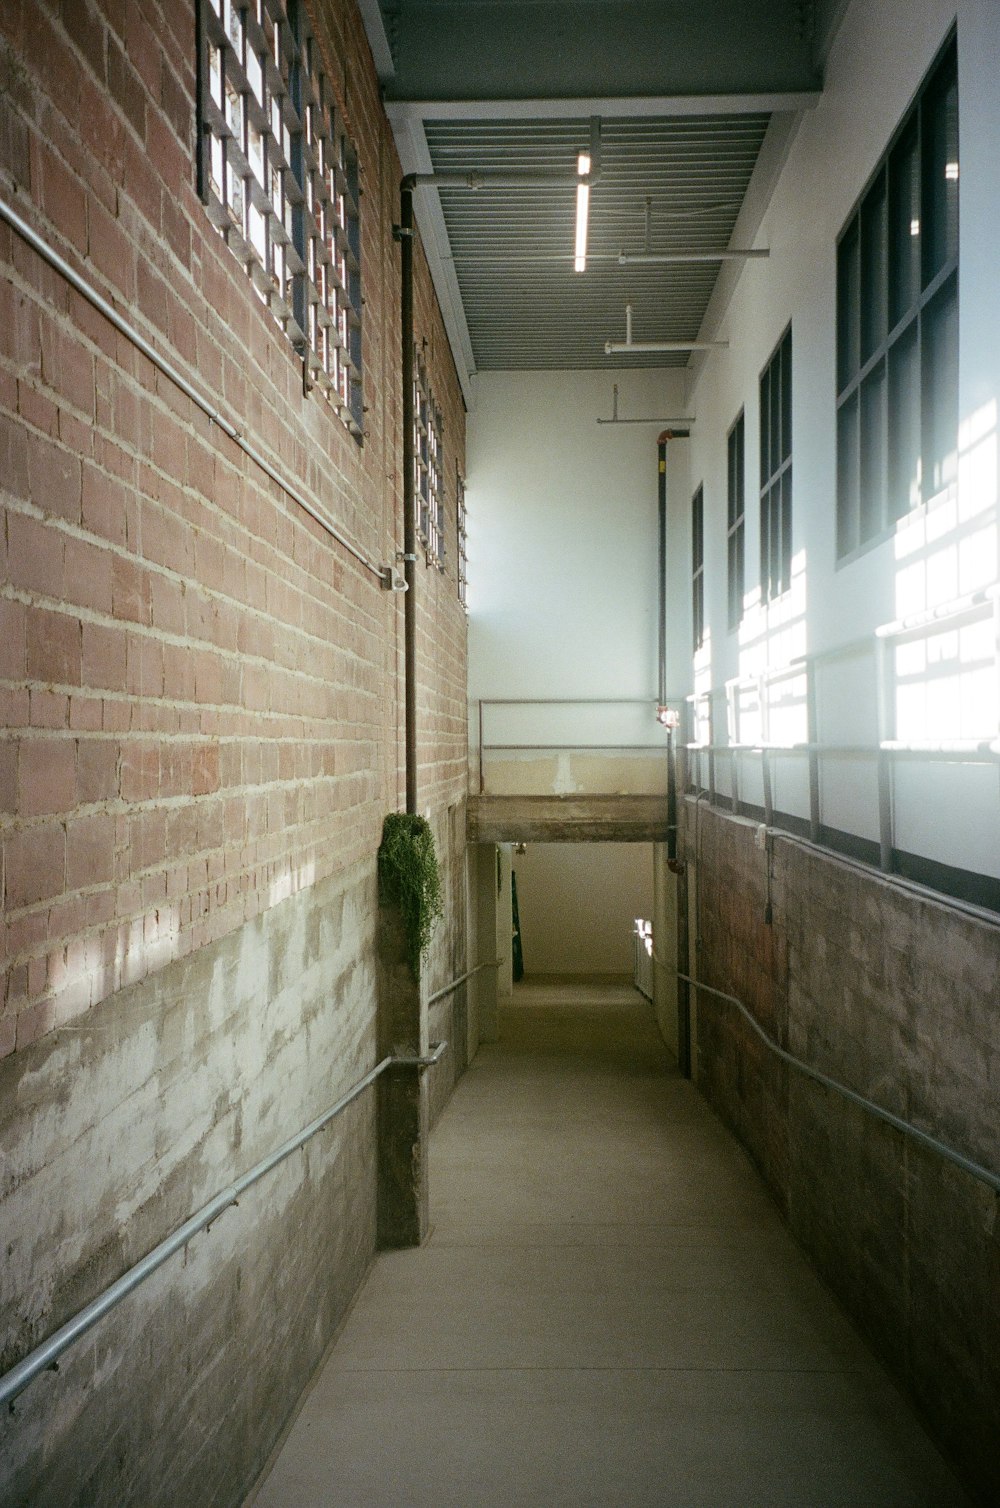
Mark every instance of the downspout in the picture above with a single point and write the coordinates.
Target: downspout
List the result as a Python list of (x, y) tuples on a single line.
[(405, 232), (665, 717)]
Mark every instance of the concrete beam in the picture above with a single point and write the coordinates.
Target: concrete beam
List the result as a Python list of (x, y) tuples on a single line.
[(567, 819), (589, 49)]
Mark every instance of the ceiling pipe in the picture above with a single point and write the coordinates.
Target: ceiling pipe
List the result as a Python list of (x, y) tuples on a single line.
[(669, 258), (642, 347)]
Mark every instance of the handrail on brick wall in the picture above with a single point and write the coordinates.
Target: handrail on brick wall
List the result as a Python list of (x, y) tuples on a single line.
[(164, 365), (985, 1175), (45, 1357)]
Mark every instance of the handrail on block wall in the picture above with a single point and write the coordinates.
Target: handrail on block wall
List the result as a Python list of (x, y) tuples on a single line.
[(45, 1357)]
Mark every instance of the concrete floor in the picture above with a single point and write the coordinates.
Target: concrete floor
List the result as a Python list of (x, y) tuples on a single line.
[(608, 1311)]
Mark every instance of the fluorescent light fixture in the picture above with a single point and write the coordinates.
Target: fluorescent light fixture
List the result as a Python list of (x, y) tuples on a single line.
[(582, 210)]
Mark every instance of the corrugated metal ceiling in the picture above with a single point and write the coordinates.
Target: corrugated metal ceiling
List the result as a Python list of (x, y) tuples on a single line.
[(513, 248)]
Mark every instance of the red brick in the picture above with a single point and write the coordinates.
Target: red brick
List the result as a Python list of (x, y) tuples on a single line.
[(88, 575), (8, 775), (85, 714), (53, 647), (14, 444), (47, 776), (63, 199), (90, 851), (140, 769), (97, 770), (49, 709), (35, 553), (85, 27), (103, 656), (111, 251), (34, 864), (126, 89), (130, 591), (103, 505), (36, 409), (55, 480)]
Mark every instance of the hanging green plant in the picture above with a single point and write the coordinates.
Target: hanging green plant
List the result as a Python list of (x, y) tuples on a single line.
[(408, 877)]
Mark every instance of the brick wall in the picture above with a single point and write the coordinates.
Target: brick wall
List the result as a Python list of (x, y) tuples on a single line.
[(201, 688), (203, 730), (894, 994)]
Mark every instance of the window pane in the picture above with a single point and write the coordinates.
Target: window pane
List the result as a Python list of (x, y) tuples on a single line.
[(786, 530), (847, 477), (940, 170), (736, 573), (765, 429), (904, 225), (786, 396), (848, 306), (904, 423), (775, 408), (873, 509), (940, 389), (873, 269)]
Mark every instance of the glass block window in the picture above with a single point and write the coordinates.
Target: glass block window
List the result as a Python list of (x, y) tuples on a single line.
[(897, 323), (279, 178), (428, 454), (698, 569), (736, 517), (776, 471), (463, 539)]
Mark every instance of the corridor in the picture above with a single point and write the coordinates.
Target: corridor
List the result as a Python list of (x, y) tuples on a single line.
[(608, 1311)]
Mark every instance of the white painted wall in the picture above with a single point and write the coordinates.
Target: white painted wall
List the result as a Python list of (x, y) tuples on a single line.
[(876, 65), (578, 903), (563, 511), (563, 546)]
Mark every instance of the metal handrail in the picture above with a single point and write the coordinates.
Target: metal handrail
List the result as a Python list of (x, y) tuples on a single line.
[(494, 963), (985, 1175), (45, 1357), (485, 702)]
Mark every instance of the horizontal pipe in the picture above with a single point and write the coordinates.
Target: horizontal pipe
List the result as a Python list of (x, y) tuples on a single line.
[(478, 179), (678, 425), (647, 347), (448, 988), (959, 1159), (580, 748), (667, 258), (978, 750), (164, 365), (44, 1357)]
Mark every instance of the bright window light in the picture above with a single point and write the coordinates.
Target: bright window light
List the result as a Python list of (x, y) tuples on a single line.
[(582, 209)]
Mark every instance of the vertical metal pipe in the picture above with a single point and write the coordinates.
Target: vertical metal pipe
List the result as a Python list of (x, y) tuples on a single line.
[(409, 515), (812, 735), (661, 502)]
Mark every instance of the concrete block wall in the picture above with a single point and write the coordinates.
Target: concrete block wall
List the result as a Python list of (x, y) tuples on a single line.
[(893, 993), (202, 733)]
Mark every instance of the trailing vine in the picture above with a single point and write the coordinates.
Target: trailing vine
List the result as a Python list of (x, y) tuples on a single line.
[(408, 877)]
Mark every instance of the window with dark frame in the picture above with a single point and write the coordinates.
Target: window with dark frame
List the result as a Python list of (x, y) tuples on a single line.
[(698, 569), (279, 179), (736, 516), (897, 323), (776, 471), (463, 539), (428, 485)]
